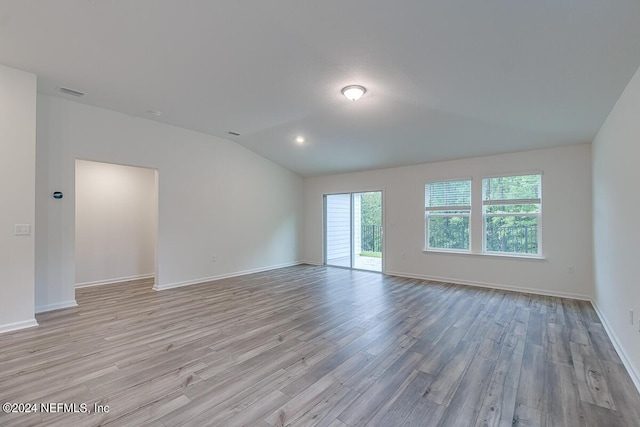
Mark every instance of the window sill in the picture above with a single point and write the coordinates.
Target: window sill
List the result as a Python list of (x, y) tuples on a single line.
[(489, 255)]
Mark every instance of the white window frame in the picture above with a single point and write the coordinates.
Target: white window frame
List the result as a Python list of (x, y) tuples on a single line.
[(538, 214), (428, 209)]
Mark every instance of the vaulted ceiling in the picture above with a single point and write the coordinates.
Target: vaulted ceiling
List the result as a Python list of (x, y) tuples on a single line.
[(445, 79)]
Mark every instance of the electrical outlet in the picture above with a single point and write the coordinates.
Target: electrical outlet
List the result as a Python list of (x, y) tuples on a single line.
[(631, 316), (571, 269), (213, 259), (22, 229)]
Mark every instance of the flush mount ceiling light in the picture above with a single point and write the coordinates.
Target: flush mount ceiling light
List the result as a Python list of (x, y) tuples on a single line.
[(353, 92), (300, 139)]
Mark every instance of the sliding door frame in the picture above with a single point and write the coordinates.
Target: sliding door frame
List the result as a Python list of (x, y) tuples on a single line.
[(351, 233)]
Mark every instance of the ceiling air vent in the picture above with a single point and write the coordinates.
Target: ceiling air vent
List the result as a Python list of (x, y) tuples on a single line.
[(233, 133), (71, 92)]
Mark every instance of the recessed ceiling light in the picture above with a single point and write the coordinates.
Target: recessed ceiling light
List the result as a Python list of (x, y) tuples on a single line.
[(71, 92), (155, 113), (354, 92), (300, 139)]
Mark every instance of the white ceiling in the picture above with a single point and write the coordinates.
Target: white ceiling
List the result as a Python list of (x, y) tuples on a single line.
[(446, 79)]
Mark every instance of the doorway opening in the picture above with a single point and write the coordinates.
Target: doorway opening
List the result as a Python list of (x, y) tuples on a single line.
[(116, 224), (353, 232)]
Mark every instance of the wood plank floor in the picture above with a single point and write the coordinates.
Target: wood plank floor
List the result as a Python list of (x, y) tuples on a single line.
[(318, 346)]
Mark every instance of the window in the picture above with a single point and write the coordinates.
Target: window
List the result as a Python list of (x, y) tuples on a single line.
[(447, 212), (511, 211)]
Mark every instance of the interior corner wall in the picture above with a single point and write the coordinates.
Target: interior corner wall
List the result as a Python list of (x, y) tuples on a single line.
[(566, 222), (115, 226), (616, 203), (215, 198), (17, 187)]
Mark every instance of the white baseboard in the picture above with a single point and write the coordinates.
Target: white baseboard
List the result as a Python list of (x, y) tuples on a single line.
[(56, 306), (493, 286), (18, 325), (626, 360), (116, 280), (311, 263), (157, 287)]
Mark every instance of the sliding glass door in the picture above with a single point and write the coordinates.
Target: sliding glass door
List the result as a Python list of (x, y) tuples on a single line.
[(353, 230), (337, 229)]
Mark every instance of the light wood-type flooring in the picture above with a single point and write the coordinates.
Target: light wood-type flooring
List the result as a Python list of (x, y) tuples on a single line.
[(318, 346)]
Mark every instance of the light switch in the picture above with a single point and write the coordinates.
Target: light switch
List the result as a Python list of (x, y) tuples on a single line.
[(22, 229)]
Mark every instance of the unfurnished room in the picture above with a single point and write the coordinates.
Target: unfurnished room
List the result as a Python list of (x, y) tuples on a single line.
[(336, 214)]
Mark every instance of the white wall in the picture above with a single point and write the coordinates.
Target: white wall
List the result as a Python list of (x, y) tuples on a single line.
[(17, 189), (616, 215), (115, 222), (215, 197), (566, 221)]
